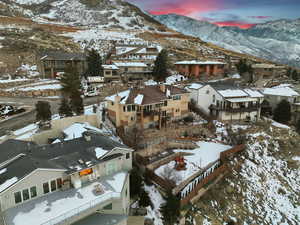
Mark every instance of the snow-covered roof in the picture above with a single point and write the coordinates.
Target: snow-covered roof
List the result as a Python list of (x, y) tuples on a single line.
[(280, 91), (130, 64), (124, 95), (138, 99), (123, 50), (241, 99), (110, 67), (233, 93), (195, 86), (174, 78), (253, 93), (8, 183), (77, 129), (194, 62), (100, 152)]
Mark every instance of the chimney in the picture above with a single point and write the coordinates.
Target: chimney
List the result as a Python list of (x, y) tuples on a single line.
[(117, 99), (162, 87), (87, 137)]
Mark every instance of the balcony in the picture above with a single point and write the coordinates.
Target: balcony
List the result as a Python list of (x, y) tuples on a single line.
[(235, 110), (61, 207)]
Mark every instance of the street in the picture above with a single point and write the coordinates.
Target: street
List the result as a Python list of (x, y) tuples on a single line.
[(28, 118)]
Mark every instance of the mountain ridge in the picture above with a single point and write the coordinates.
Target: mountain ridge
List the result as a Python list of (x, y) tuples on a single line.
[(277, 41)]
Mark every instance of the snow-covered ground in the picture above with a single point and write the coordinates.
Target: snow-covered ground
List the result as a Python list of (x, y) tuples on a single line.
[(157, 200), (198, 159)]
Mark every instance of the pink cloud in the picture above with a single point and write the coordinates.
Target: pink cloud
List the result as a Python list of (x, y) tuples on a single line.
[(234, 24), (187, 7), (260, 17)]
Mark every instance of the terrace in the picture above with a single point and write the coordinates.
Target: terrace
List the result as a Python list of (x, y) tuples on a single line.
[(63, 206)]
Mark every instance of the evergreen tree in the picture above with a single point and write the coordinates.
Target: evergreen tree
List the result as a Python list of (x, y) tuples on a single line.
[(77, 103), (70, 81), (94, 62), (144, 199), (136, 182), (64, 108), (289, 72), (295, 75), (282, 112), (298, 126), (171, 209), (43, 111), (160, 70), (71, 88), (244, 69)]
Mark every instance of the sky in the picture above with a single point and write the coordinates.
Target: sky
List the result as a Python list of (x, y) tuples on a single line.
[(241, 13)]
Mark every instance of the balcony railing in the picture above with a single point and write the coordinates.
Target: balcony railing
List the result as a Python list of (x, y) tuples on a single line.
[(63, 218), (235, 110)]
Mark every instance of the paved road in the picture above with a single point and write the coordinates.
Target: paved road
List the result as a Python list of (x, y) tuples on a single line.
[(21, 121)]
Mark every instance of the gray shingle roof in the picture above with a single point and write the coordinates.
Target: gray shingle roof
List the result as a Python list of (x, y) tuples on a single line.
[(71, 156)]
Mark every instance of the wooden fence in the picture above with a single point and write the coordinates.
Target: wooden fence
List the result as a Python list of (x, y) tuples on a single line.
[(210, 174)]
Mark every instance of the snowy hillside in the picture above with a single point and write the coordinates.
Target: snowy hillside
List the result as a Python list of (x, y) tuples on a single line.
[(277, 41), (101, 13), (264, 186)]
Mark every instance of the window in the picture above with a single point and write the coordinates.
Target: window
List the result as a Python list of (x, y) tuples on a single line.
[(112, 103), (127, 155), (207, 92), (59, 182), (53, 185), (33, 192), (108, 207), (133, 107), (214, 98), (165, 103), (25, 194), (18, 197), (177, 97), (124, 108), (46, 187), (129, 108)]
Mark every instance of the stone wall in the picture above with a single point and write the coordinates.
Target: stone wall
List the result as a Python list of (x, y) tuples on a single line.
[(34, 93)]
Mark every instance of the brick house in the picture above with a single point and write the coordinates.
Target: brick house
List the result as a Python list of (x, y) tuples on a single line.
[(200, 69)]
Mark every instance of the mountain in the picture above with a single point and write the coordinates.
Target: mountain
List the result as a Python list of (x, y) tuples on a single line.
[(104, 13), (277, 41)]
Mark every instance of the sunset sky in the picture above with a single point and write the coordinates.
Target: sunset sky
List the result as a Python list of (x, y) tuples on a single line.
[(242, 13)]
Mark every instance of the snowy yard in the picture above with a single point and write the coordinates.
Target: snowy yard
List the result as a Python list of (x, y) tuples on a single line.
[(198, 159)]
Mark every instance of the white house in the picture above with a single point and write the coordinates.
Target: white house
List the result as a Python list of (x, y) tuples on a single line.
[(276, 94), (64, 182), (227, 102)]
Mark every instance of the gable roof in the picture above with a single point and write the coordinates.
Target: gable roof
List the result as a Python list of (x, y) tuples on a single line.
[(147, 95), (70, 156), (195, 62)]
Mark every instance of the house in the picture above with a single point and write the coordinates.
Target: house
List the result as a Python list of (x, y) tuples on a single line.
[(263, 70), (51, 63), (64, 182), (276, 94), (226, 101), (147, 106), (134, 70), (200, 69), (111, 72), (135, 52)]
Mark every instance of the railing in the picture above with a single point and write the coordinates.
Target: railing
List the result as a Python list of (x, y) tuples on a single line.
[(234, 110), (63, 218)]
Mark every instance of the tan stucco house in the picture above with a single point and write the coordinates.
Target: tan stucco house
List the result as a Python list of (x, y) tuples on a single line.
[(147, 106)]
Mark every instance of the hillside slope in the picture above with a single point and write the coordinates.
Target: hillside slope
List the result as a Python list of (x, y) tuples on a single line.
[(264, 184)]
